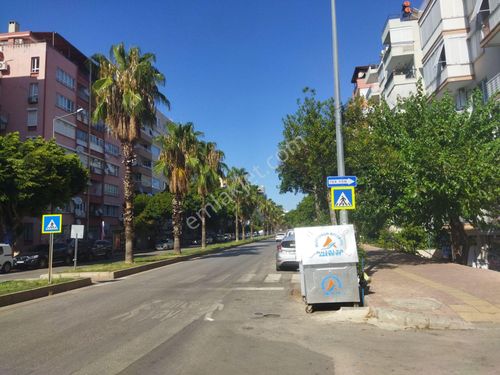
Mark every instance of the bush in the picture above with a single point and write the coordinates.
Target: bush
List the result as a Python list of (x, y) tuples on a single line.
[(409, 239)]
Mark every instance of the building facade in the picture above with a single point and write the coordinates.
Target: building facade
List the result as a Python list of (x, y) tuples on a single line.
[(45, 91), (450, 45)]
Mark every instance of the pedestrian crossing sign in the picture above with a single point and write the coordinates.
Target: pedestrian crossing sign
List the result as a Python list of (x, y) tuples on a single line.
[(343, 198), (51, 223)]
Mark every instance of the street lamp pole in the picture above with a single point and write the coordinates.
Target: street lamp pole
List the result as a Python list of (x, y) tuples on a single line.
[(337, 103), (61, 117)]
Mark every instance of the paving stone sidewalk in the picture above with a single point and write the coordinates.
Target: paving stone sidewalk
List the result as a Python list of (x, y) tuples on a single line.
[(423, 293)]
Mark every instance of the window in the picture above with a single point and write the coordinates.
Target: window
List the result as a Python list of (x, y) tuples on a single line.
[(112, 169), (28, 232), (64, 103), (146, 163), (156, 184), (81, 135), (112, 149), (83, 116), (65, 78), (35, 65), (83, 93), (33, 93), (109, 210), (96, 140), (137, 177), (155, 151), (96, 166), (32, 118), (110, 189)]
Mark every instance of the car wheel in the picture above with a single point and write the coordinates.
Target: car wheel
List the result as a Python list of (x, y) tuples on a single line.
[(43, 263), (6, 267), (278, 268)]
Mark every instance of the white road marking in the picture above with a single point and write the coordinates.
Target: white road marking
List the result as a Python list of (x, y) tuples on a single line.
[(260, 288), (220, 279), (296, 278), (246, 278), (218, 306), (272, 278)]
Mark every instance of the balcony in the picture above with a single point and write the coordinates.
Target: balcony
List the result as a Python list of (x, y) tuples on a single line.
[(400, 83), (493, 86), (489, 21), (398, 54), (372, 74)]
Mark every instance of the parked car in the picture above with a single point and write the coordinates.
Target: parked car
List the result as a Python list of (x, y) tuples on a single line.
[(101, 248), (165, 244), (279, 236), (286, 255), (6, 259), (38, 257), (221, 238)]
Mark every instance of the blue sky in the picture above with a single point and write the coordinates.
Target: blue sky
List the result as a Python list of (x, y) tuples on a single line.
[(234, 68)]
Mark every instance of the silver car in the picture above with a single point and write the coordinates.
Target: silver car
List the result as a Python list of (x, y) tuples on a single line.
[(286, 256)]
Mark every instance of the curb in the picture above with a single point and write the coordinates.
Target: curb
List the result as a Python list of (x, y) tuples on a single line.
[(113, 275), (44, 291), (404, 319)]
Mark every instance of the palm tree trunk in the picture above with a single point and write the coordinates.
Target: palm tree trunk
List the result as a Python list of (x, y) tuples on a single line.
[(242, 228), (128, 214), (203, 220), (177, 222), (236, 229), (251, 230)]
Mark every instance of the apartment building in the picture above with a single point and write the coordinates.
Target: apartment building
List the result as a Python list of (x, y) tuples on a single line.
[(461, 47), (365, 80), (46, 92), (400, 65)]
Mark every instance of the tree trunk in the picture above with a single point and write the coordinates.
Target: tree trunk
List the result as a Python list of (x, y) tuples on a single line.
[(128, 214), (458, 241), (242, 228), (177, 222), (251, 230), (333, 216), (317, 206), (203, 220), (236, 229)]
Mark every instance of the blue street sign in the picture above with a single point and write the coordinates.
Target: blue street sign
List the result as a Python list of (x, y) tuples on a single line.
[(343, 198), (51, 223), (334, 181)]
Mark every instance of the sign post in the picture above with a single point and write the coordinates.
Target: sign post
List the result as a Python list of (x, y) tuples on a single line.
[(76, 233), (51, 224)]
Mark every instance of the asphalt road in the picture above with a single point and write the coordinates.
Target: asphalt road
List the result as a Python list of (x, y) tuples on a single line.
[(228, 313)]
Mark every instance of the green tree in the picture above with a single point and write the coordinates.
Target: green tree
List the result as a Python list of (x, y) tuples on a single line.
[(177, 161), (151, 213), (305, 214), (33, 175), (307, 151), (445, 162), (237, 185), (126, 94), (208, 171)]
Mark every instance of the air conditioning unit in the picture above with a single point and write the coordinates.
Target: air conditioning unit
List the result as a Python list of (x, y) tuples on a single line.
[(3, 66)]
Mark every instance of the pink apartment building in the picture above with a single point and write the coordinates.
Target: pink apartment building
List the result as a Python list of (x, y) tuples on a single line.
[(44, 81), (365, 82)]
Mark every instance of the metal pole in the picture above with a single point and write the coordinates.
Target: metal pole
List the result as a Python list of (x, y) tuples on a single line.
[(337, 103), (51, 252), (76, 252)]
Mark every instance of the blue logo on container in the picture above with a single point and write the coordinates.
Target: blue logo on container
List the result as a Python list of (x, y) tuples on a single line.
[(331, 285)]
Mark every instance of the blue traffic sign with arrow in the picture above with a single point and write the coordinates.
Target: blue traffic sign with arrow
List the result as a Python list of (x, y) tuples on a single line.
[(337, 181)]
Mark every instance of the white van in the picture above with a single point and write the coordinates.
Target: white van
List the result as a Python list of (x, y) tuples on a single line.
[(5, 257)]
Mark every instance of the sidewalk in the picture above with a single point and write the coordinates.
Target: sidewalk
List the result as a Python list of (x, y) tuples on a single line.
[(415, 292)]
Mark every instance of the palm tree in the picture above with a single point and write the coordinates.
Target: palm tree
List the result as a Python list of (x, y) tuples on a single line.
[(237, 181), (177, 161), (209, 170), (126, 93)]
